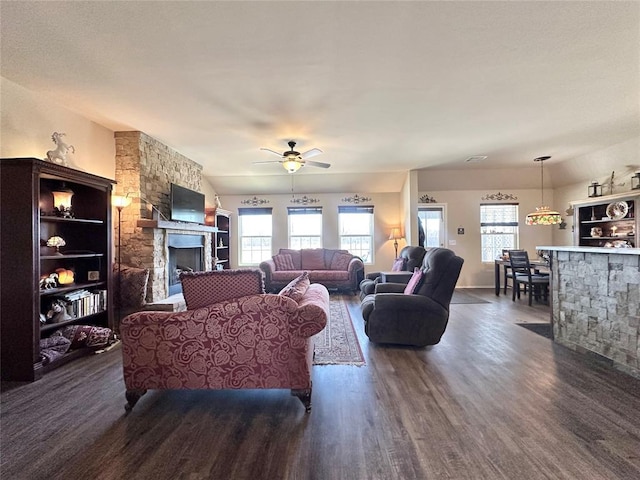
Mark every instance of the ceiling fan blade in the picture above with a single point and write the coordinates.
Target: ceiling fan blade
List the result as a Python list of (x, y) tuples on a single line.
[(272, 151), (317, 164), (265, 162), (311, 153)]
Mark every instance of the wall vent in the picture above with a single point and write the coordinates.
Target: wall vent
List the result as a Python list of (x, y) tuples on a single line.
[(476, 158)]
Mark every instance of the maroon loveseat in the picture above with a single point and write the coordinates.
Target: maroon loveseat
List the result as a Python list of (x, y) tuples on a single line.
[(335, 269)]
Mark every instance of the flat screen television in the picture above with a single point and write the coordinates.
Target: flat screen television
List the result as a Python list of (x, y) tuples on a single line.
[(186, 205)]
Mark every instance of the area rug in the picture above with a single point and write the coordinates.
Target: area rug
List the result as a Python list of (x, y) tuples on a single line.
[(338, 343), (543, 329), (460, 296)]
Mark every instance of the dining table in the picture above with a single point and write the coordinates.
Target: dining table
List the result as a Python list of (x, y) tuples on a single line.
[(503, 265)]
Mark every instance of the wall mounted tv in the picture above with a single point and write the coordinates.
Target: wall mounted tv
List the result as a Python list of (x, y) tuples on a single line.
[(186, 205)]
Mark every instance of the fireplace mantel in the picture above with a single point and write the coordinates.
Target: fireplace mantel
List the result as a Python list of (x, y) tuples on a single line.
[(169, 225)]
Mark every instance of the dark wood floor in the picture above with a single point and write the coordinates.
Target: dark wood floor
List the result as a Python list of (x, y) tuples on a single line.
[(491, 401)]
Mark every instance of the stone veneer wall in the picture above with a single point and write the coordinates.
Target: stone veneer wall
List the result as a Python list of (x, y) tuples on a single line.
[(145, 170), (597, 305)]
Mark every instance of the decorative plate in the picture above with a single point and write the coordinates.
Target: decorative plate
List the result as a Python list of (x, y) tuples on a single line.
[(617, 210)]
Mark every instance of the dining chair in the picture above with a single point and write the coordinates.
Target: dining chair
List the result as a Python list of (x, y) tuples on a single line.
[(507, 272), (538, 284)]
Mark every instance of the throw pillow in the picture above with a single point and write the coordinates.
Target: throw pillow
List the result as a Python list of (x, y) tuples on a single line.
[(414, 283), (133, 286), (283, 261), (85, 336), (340, 261), (399, 265), (297, 287), (313, 259)]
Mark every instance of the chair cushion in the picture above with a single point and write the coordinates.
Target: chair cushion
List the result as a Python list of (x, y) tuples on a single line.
[(283, 261), (297, 287), (340, 261), (399, 264), (414, 283)]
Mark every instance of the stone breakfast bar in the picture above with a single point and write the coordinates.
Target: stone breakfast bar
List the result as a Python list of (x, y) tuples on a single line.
[(595, 307)]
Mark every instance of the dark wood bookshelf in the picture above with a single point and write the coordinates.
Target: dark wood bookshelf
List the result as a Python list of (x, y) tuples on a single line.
[(27, 222)]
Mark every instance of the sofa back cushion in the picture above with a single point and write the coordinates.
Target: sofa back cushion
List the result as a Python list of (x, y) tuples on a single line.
[(441, 268), (283, 261), (313, 259), (340, 261), (297, 287), (204, 288), (295, 257)]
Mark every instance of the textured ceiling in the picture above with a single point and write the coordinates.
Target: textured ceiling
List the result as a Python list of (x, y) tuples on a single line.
[(381, 87)]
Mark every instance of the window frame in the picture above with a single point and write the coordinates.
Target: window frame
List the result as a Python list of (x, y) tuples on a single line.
[(358, 209), (509, 224), (244, 212), (293, 212)]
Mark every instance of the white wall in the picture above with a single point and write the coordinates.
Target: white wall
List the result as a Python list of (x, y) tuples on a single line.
[(463, 210), (386, 216), (28, 119)]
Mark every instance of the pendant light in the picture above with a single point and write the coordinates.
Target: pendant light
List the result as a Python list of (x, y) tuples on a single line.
[(543, 215)]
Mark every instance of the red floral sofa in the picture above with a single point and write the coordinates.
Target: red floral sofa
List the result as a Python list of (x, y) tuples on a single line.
[(223, 341), (332, 268)]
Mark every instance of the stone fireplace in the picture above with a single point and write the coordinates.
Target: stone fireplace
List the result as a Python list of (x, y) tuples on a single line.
[(145, 170)]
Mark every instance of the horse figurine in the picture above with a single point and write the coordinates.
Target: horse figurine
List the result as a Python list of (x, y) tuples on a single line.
[(59, 155)]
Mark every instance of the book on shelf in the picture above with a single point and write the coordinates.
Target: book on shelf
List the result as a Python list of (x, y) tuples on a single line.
[(81, 303)]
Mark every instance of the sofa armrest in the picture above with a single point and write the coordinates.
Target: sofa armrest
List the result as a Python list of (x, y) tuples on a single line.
[(400, 301), (313, 311), (356, 271), (390, 288), (268, 267), (372, 276)]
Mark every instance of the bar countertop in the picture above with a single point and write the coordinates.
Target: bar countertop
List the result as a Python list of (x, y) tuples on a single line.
[(621, 251)]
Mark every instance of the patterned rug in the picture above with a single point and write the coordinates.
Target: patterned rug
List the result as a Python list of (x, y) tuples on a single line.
[(338, 343)]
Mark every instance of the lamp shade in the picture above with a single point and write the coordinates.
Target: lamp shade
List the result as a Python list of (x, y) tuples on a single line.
[(395, 234), (62, 198), (120, 201), (543, 215)]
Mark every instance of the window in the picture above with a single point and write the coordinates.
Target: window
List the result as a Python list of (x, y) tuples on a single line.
[(305, 227), (498, 229), (355, 225), (432, 223), (255, 230)]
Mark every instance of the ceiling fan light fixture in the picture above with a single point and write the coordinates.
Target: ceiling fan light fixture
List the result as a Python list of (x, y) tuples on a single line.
[(291, 166)]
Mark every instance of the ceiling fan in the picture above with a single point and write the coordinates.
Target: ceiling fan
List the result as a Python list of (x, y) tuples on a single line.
[(292, 161)]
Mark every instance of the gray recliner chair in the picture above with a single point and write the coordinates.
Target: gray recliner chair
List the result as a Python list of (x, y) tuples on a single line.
[(418, 319), (412, 255)]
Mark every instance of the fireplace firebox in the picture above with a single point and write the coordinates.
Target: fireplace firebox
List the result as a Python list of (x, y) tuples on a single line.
[(186, 253)]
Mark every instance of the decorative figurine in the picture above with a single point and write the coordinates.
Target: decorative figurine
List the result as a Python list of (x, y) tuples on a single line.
[(59, 155)]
